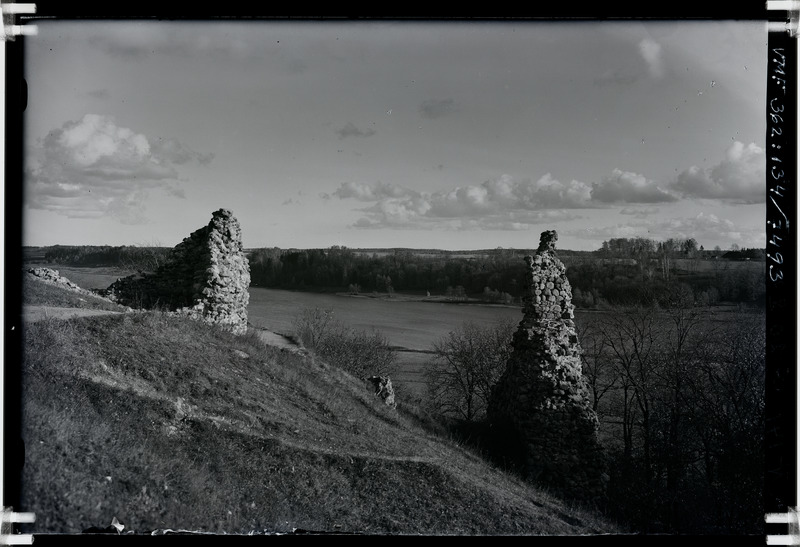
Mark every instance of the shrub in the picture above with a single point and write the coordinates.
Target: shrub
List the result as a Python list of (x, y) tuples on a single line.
[(361, 353)]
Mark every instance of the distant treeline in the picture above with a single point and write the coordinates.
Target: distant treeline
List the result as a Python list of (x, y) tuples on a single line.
[(399, 270), (126, 256), (623, 271)]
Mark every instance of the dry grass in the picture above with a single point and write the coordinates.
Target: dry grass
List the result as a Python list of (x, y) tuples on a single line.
[(36, 292), (164, 422)]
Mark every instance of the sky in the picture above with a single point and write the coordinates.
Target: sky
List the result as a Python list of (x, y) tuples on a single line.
[(451, 135)]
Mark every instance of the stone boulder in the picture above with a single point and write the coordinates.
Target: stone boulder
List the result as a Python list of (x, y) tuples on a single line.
[(54, 277), (383, 389), (205, 277), (540, 408)]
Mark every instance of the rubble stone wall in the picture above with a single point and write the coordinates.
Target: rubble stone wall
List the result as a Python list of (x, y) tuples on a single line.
[(542, 400), (205, 277)]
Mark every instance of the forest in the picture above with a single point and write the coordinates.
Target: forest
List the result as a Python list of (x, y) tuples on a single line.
[(623, 271)]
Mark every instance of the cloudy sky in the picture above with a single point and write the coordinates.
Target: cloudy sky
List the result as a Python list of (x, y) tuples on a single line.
[(396, 134)]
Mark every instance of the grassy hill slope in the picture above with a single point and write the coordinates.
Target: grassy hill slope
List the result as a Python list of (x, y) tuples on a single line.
[(164, 422)]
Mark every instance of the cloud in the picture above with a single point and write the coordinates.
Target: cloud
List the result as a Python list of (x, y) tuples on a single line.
[(639, 213), (372, 192), (178, 153), (739, 178), (501, 203), (701, 224), (650, 50), (627, 187), (394, 212), (602, 233), (525, 221), (707, 229), (92, 168), (500, 222), (351, 130), (436, 108), (495, 200), (548, 192)]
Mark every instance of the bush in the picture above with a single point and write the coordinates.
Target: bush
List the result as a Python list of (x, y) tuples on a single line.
[(361, 353)]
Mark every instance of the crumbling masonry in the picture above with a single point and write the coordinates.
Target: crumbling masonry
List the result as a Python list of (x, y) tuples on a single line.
[(205, 277), (540, 406)]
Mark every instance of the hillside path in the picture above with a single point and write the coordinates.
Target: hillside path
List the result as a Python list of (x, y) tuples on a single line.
[(275, 339)]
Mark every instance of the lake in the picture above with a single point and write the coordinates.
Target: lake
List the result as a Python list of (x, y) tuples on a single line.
[(412, 327), (407, 324)]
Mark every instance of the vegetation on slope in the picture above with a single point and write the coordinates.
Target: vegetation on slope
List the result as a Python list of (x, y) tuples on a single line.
[(163, 422), (40, 293)]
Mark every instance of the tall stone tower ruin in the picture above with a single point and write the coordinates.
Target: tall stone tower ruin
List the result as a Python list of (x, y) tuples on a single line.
[(540, 406), (206, 277)]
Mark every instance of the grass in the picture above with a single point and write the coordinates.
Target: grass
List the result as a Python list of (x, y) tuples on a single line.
[(36, 292), (165, 422)]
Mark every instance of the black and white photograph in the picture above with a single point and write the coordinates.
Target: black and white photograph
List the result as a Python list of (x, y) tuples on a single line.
[(394, 277)]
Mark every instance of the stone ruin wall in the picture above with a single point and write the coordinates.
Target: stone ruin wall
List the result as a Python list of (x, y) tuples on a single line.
[(205, 277), (541, 401)]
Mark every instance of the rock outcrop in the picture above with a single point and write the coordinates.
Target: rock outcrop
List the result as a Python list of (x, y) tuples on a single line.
[(383, 389), (205, 277), (540, 407), (54, 277)]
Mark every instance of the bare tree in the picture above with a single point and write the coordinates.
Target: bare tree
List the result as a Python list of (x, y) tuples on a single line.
[(679, 344), (469, 361), (597, 367), (631, 336)]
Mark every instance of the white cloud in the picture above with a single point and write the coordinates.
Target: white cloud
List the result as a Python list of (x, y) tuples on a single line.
[(549, 192), (706, 228), (738, 178), (602, 233), (500, 203), (650, 50), (372, 192), (627, 187), (92, 168)]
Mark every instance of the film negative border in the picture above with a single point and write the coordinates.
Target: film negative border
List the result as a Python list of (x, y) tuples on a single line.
[(8, 517), (789, 23), (11, 30), (792, 518), (780, 485), (7, 520)]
